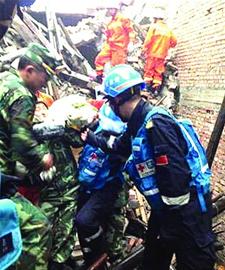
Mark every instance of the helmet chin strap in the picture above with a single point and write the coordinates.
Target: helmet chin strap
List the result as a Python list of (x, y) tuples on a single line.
[(124, 98)]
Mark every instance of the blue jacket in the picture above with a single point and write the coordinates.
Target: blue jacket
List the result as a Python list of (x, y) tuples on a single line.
[(144, 160), (174, 172), (96, 167)]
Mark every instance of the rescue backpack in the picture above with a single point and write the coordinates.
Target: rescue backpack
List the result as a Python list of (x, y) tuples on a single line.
[(196, 159), (10, 236)]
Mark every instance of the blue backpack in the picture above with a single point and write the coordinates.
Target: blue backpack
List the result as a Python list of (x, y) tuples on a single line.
[(10, 236), (196, 156), (141, 164)]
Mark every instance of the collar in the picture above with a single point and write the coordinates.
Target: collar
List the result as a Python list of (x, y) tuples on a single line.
[(138, 117)]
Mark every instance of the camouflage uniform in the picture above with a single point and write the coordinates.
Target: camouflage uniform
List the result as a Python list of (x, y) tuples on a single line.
[(17, 106), (115, 230), (36, 235), (58, 198)]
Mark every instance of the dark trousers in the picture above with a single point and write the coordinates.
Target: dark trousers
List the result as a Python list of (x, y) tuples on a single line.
[(93, 212), (185, 232)]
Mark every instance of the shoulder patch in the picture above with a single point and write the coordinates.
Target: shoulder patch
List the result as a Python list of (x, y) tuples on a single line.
[(149, 124)]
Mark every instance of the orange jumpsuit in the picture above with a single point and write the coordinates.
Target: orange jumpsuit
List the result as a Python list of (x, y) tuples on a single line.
[(157, 43), (118, 35)]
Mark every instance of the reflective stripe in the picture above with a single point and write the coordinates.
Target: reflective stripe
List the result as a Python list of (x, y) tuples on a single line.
[(205, 168), (94, 236), (193, 144), (89, 172), (181, 200), (136, 148), (151, 192)]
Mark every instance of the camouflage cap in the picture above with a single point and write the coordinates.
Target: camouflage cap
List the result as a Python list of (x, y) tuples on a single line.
[(42, 57)]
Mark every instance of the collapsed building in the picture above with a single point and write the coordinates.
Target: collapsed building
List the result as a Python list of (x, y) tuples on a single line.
[(78, 45)]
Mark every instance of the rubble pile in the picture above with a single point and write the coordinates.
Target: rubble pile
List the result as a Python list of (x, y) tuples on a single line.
[(21, 33), (78, 46)]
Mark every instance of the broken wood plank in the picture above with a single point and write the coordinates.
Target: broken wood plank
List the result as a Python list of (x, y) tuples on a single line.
[(38, 34), (76, 51), (10, 57), (216, 134), (81, 79)]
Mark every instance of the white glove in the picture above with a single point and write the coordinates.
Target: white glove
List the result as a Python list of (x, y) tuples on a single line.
[(48, 175)]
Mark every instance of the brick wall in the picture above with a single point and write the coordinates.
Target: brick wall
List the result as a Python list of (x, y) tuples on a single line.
[(204, 120), (200, 29), (199, 26)]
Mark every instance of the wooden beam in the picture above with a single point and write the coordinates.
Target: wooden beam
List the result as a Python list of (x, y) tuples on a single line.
[(73, 46), (216, 134)]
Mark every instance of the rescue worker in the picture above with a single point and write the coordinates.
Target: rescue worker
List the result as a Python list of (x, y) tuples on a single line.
[(119, 34), (101, 196), (168, 165), (158, 41), (17, 143)]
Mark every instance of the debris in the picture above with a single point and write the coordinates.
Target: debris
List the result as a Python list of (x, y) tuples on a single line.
[(77, 71)]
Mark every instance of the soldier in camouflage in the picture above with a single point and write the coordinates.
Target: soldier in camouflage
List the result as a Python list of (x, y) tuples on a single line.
[(58, 197), (17, 143), (58, 200)]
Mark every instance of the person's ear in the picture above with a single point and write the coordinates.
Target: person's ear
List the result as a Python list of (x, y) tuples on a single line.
[(29, 69)]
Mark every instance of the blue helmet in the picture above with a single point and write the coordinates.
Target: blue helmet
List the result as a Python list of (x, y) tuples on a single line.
[(109, 121), (120, 78), (26, 3)]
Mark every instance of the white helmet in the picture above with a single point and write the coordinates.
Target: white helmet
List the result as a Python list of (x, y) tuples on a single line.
[(159, 13)]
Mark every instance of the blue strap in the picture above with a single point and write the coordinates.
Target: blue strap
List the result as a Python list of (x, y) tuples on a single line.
[(201, 199)]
